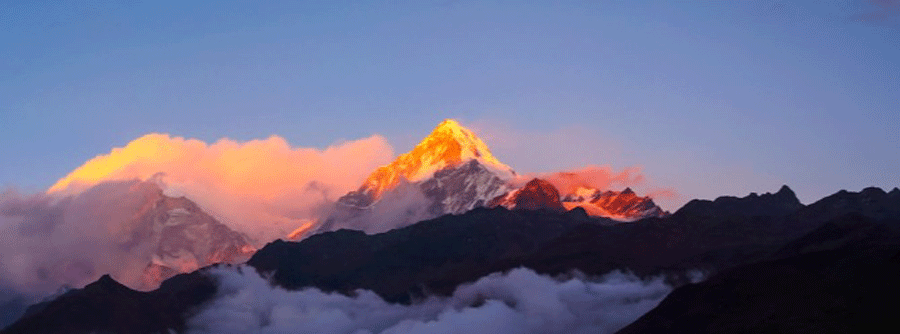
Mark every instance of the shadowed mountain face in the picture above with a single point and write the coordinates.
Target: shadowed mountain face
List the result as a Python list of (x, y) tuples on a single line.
[(436, 256), (778, 204), (841, 278), (107, 306)]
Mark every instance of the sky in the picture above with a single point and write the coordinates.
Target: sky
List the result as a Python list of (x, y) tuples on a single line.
[(708, 99)]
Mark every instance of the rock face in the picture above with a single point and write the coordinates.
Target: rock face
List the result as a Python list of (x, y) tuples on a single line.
[(459, 189), (537, 194), (172, 234), (619, 205), (185, 238)]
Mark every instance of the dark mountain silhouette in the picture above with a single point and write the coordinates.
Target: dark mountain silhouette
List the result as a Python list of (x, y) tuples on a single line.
[(778, 204), (841, 278), (107, 306), (748, 241), (871, 202)]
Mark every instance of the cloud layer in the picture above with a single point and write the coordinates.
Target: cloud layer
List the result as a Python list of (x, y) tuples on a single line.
[(519, 301), (264, 188)]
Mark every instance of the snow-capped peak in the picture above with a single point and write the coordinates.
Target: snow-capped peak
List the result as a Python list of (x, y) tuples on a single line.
[(449, 145)]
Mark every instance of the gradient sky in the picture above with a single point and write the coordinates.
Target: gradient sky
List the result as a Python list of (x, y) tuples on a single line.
[(709, 99)]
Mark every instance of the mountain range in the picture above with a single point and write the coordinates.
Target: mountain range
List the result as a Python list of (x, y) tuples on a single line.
[(765, 257), (452, 171), (449, 213)]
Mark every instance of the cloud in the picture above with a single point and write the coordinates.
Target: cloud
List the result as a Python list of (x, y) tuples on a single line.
[(84, 227), (264, 188), (603, 178), (519, 301), (597, 177), (51, 243), (404, 205), (585, 157)]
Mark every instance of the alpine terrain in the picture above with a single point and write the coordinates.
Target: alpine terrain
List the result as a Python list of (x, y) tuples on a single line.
[(452, 171)]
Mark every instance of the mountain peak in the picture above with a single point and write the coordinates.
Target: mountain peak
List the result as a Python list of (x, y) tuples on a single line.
[(785, 191), (449, 145), (107, 283), (450, 124)]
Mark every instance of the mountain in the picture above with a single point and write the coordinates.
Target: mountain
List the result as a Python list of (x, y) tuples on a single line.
[(619, 205), (184, 238), (777, 262), (449, 171), (840, 278), (872, 202), (447, 147), (780, 203), (171, 234), (106, 306), (537, 194), (452, 171)]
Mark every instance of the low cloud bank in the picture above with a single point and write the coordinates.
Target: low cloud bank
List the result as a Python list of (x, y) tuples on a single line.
[(519, 301)]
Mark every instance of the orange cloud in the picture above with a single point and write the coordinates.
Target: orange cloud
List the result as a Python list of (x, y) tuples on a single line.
[(597, 177), (265, 188)]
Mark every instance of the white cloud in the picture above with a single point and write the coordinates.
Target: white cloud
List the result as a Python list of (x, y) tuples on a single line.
[(519, 301)]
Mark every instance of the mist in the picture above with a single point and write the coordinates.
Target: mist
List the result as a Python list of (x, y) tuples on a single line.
[(519, 301), (52, 244), (402, 206)]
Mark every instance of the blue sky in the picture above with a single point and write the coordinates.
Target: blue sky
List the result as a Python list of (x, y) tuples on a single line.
[(709, 99)]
